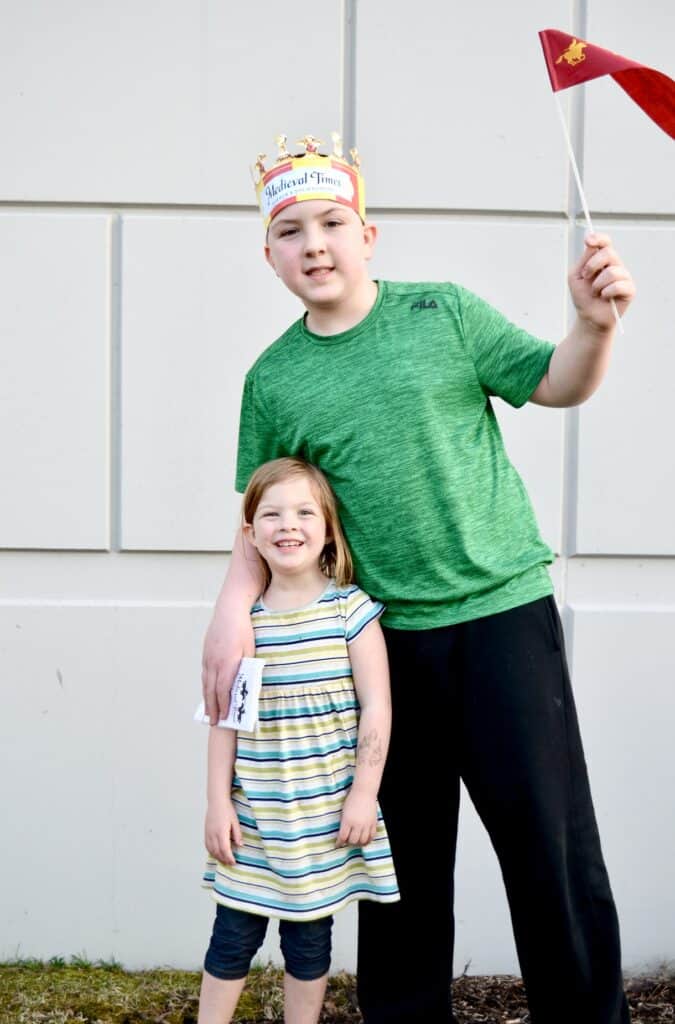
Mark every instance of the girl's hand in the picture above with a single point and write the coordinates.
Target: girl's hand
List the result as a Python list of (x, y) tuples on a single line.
[(597, 277), (358, 823), (222, 831)]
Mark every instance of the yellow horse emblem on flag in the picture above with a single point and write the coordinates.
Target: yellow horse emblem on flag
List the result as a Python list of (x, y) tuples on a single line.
[(574, 54)]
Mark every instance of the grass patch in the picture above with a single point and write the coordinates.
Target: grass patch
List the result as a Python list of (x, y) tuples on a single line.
[(80, 992)]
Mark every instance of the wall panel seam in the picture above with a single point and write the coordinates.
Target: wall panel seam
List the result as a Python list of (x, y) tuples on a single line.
[(348, 84), (115, 430), (619, 217)]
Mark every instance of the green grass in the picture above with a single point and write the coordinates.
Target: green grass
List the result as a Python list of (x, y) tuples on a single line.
[(78, 991)]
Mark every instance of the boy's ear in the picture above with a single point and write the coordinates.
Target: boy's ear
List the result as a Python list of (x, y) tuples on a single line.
[(369, 238), (268, 257)]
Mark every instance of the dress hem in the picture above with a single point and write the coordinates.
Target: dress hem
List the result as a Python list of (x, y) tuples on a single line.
[(314, 915)]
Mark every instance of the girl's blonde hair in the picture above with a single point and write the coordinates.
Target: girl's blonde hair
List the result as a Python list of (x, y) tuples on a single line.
[(336, 559)]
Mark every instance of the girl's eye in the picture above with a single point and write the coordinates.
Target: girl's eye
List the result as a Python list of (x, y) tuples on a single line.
[(269, 515), (306, 512)]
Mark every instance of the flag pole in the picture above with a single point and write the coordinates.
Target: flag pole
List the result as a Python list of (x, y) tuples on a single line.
[(580, 188)]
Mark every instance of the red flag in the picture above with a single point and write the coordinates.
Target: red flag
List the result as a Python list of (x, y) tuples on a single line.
[(571, 61)]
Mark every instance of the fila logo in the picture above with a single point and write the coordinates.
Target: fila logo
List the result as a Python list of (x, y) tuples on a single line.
[(424, 304)]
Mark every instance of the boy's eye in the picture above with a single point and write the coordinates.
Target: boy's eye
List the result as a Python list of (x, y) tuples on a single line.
[(287, 232), (333, 223)]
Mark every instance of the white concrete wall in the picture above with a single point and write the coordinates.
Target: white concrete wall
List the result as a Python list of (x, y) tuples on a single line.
[(134, 297)]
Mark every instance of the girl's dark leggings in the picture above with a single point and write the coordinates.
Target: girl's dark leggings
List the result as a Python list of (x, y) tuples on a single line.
[(237, 936), (489, 702)]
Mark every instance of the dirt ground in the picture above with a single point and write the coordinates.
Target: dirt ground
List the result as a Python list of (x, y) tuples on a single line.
[(501, 1000)]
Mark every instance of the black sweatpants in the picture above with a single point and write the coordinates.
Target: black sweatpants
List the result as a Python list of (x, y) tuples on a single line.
[(494, 699)]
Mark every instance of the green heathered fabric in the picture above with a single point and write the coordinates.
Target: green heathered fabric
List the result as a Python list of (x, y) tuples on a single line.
[(397, 413)]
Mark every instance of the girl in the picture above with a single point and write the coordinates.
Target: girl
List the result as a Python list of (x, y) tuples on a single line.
[(293, 826)]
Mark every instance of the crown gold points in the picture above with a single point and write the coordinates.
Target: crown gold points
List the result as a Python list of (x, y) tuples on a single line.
[(310, 173), (311, 148), (310, 143), (282, 152)]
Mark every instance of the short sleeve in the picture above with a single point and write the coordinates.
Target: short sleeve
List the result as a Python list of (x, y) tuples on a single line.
[(509, 361), (359, 611), (258, 439)]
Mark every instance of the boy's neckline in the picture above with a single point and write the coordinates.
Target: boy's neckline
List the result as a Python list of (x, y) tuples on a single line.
[(351, 332), (299, 608)]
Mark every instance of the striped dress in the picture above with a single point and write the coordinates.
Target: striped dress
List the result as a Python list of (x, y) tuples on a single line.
[(292, 775)]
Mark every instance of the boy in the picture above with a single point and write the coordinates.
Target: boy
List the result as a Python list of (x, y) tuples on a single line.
[(386, 386)]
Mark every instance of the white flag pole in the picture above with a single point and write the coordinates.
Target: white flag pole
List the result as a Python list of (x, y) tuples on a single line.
[(584, 204)]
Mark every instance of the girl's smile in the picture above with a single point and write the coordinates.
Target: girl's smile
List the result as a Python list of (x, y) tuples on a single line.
[(289, 530)]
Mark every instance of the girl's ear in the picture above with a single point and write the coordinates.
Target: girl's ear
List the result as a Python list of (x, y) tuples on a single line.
[(249, 533)]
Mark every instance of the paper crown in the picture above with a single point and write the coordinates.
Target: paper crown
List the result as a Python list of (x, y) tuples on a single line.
[(297, 177)]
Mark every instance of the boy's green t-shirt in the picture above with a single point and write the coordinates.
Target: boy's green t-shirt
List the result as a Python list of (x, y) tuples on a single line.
[(396, 411)]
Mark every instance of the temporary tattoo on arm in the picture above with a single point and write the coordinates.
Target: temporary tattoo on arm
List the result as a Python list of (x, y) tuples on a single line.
[(369, 750)]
